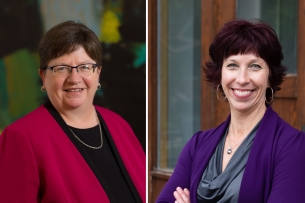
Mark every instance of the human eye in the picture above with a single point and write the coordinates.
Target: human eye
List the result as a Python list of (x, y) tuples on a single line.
[(60, 69), (232, 66), (255, 67), (85, 67)]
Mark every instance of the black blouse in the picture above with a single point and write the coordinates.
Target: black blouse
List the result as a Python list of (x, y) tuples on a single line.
[(106, 162)]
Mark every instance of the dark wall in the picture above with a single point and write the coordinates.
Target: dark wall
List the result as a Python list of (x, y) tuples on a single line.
[(123, 75)]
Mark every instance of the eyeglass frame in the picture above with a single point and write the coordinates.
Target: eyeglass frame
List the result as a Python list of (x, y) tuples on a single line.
[(76, 67)]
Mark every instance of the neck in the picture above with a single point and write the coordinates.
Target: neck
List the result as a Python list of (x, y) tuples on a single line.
[(80, 118), (242, 123)]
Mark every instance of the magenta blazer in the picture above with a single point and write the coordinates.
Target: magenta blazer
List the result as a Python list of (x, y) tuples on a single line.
[(274, 173), (39, 163)]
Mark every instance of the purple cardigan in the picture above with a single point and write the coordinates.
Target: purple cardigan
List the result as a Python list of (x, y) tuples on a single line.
[(275, 171)]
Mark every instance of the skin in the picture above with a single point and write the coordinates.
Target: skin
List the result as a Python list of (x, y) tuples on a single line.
[(72, 96), (244, 82), (182, 195)]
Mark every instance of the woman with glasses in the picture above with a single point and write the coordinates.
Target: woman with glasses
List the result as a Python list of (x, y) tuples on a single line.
[(69, 150)]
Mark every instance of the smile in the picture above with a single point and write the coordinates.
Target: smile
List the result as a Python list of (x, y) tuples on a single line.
[(242, 93), (73, 90)]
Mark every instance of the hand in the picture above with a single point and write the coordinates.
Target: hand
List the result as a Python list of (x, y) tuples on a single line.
[(182, 196)]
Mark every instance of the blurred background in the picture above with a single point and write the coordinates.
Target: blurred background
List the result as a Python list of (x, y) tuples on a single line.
[(180, 102), (121, 28)]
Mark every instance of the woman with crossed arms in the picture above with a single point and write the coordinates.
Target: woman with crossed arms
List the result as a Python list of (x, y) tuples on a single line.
[(254, 156)]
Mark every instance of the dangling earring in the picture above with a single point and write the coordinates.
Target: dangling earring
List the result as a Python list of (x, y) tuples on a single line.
[(43, 88), (268, 102), (99, 86), (225, 99)]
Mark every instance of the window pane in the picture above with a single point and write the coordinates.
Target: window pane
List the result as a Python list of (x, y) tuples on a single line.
[(178, 77), (282, 15)]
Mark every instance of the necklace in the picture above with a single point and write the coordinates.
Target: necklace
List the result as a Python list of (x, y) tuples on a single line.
[(230, 150), (99, 125)]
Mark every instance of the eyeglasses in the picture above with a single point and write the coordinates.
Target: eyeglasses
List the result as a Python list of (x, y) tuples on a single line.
[(65, 70)]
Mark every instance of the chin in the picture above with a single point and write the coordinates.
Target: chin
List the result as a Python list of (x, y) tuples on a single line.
[(242, 107), (74, 104)]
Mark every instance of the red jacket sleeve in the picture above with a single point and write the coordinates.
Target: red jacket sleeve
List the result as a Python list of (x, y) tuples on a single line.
[(18, 169)]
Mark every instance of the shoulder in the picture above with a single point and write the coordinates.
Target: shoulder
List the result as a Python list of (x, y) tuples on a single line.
[(283, 129), (286, 138), (32, 120), (288, 135), (29, 128), (205, 141), (119, 129), (115, 123), (273, 126), (109, 115), (211, 135), (271, 117)]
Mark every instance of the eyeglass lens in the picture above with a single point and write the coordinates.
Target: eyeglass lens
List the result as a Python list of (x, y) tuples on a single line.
[(84, 69)]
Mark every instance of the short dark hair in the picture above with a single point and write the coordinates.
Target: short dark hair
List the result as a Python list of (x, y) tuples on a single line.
[(243, 37), (67, 37)]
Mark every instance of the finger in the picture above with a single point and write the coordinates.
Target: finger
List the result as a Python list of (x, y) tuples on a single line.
[(179, 190), (187, 192), (181, 196), (178, 197), (185, 197)]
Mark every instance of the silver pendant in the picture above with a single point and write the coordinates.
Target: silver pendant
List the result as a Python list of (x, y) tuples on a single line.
[(229, 151)]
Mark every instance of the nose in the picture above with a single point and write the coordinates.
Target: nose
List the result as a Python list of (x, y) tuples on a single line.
[(242, 76), (74, 77)]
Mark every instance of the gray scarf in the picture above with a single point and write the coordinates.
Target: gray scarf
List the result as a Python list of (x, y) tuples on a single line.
[(223, 187)]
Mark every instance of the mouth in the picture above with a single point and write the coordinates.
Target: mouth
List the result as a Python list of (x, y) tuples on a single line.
[(242, 93), (74, 90)]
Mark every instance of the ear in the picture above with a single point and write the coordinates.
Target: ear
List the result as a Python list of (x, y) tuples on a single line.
[(42, 75), (99, 70)]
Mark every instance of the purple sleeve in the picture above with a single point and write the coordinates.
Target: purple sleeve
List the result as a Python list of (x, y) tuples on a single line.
[(182, 173), (289, 171)]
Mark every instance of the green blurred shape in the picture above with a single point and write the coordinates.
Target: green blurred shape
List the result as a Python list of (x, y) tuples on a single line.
[(4, 114), (23, 86), (139, 49)]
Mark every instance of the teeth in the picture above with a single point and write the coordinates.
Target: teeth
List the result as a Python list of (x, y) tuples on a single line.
[(242, 93), (74, 90)]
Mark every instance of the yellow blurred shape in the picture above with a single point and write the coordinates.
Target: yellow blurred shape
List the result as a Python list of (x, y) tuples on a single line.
[(109, 28)]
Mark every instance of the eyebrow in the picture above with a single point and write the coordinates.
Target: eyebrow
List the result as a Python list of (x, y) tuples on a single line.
[(252, 61), (64, 64)]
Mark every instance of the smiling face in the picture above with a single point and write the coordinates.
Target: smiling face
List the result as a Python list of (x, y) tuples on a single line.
[(73, 91), (244, 81)]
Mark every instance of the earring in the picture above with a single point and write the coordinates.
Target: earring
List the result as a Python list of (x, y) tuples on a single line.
[(225, 99), (43, 88), (99, 86), (268, 102)]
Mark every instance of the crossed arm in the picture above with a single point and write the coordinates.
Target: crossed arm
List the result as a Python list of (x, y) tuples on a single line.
[(182, 196)]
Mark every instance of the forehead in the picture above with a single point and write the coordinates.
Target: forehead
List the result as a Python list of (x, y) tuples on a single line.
[(76, 57), (245, 58)]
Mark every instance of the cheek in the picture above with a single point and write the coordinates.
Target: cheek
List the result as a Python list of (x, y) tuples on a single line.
[(54, 84), (226, 77), (264, 79), (91, 82)]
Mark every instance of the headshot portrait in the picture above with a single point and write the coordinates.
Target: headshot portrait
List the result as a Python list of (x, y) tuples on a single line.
[(72, 113), (226, 102)]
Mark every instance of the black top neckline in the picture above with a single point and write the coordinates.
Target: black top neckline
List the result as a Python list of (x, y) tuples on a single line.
[(106, 134)]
